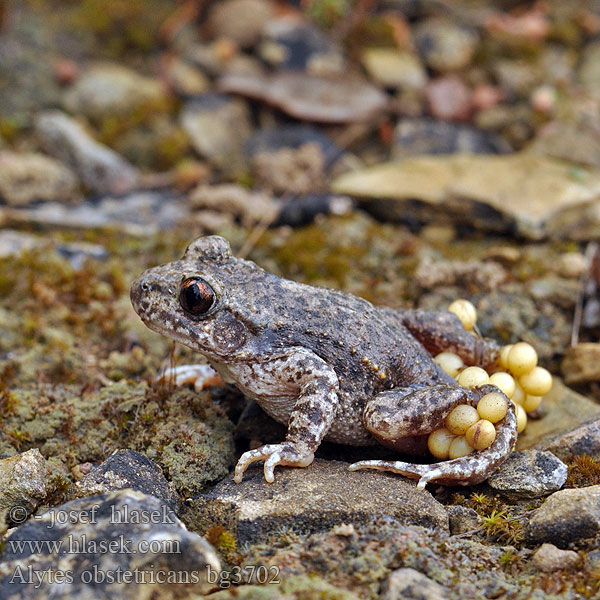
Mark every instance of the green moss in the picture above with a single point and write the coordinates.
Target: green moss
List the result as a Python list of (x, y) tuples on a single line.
[(584, 470)]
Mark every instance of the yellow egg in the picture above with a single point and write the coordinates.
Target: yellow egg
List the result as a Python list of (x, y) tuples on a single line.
[(492, 407), (465, 311), (519, 396), (481, 435), (451, 363), (461, 418), (505, 382), (504, 356), (531, 402), (521, 418), (472, 377), (522, 358), (459, 447), (439, 442), (537, 382)]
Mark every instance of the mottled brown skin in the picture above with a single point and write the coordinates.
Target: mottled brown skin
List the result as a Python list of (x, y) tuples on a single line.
[(327, 364)]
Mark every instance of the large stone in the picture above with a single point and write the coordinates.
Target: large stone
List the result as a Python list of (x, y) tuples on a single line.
[(123, 545), (549, 558), (568, 425), (323, 99), (112, 90), (23, 485), (529, 474), (31, 177), (536, 196), (566, 516), (100, 168), (125, 469), (314, 499), (218, 128)]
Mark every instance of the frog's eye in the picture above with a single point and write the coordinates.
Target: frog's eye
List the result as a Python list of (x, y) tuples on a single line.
[(196, 296)]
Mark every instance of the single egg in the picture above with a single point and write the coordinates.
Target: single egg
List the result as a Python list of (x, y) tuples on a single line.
[(505, 382), (504, 356), (481, 434), (439, 442), (465, 311), (522, 358), (531, 403), (492, 407), (461, 418), (449, 362), (472, 377), (459, 447), (537, 382), (521, 418)]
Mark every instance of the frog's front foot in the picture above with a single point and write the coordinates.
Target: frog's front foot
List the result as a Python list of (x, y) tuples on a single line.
[(288, 454)]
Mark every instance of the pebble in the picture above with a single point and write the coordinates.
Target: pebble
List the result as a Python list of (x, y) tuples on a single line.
[(101, 169), (317, 498), (288, 42), (325, 99), (241, 21), (26, 178), (566, 516), (410, 584), (106, 90), (548, 558), (413, 136), (24, 485), (449, 99), (185, 79), (218, 127), (393, 68), (141, 536), (445, 45), (529, 474), (125, 469)]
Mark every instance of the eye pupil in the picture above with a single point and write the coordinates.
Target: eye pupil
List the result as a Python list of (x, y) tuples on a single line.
[(196, 296)]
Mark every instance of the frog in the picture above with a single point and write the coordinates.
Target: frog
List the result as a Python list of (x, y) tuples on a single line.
[(327, 364)]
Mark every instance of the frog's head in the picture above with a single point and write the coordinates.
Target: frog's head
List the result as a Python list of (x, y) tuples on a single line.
[(187, 300)]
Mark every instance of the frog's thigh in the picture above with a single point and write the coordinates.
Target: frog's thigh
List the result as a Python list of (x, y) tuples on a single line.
[(442, 331), (411, 411)]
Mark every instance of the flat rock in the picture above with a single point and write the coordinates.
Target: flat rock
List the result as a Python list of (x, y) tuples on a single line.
[(109, 90), (101, 169), (581, 363), (529, 474), (26, 178), (316, 498), (325, 99), (218, 128), (566, 516), (23, 485), (568, 425), (119, 545), (549, 558), (409, 584), (125, 469), (534, 196)]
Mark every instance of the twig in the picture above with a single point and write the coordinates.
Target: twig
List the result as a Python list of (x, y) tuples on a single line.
[(590, 251)]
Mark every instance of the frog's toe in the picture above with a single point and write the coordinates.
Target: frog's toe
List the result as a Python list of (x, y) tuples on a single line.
[(285, 454)]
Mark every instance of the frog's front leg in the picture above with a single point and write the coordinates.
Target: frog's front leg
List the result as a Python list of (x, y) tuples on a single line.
[(316, 384), (408, 411), (441, 331)]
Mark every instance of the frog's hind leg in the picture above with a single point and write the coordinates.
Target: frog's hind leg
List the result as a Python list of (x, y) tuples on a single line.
[(441, 331), (413, 416)]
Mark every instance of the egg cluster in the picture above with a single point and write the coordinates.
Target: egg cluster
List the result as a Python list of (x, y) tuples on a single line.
[(522, 380)]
